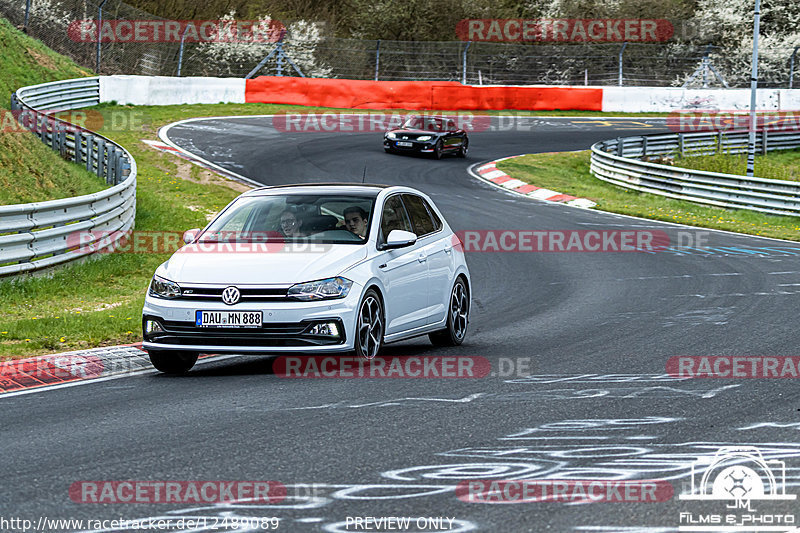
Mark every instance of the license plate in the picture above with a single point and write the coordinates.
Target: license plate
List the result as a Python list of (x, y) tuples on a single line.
[(403, 143), (228, 319)]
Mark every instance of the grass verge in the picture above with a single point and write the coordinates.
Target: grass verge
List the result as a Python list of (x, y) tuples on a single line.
[(784, 165), (30, 171), (568, 173)]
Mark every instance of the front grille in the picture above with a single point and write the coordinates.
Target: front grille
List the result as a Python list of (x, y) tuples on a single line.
[(267, 294), (276, 328), (276, 334)]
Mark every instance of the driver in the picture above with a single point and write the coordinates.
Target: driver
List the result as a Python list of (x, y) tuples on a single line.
[(355, 220), (290, 224)]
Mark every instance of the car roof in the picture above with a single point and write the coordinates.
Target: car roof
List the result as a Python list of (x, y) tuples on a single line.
[(332, 187)]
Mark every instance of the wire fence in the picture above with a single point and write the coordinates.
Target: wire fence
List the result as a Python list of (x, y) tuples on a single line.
[(672, 63)]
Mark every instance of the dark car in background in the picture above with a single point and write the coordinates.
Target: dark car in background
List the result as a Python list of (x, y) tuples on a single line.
[(427, 135)]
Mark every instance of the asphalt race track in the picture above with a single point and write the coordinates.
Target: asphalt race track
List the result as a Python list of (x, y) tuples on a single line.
[(596, 329)]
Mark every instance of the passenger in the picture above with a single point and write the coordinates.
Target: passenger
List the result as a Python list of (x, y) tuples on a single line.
[(290, 224), (355, 220)]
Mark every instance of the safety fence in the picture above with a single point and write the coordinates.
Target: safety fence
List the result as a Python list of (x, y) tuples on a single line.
[(625, 162), (43, 234), (307, 50)]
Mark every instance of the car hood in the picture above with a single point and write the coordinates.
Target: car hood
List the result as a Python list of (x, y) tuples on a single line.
[(193, 265), (401, 131)]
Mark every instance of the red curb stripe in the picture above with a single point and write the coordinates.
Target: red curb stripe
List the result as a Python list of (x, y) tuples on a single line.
[(501, 179), (561, 198), (525, 189)]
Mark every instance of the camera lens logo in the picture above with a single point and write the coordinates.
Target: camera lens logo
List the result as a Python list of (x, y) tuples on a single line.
[(739, 483), (738, 473), (231, 295)]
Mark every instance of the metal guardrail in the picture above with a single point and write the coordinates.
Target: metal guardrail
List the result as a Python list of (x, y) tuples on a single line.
[(43, 234), (623, 162)]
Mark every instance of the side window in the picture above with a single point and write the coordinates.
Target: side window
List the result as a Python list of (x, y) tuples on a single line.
[(394, 217), (437, 222), (423, 225)]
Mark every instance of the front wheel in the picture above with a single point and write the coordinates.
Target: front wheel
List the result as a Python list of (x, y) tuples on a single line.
[(457, 318), (369, 326), (462, 152), (438, 150), (172, 362)]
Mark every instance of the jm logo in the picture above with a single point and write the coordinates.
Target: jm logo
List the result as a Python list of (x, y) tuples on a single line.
[(740, 474)]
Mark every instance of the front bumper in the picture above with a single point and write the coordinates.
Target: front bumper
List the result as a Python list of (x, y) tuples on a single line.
[(285, 328), (416, 146)]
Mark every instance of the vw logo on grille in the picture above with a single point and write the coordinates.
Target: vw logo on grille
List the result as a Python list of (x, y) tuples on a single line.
[(231, 295)]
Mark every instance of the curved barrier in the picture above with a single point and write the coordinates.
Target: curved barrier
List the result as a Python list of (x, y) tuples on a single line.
[(623, 162), (42, 234), (364, 94)]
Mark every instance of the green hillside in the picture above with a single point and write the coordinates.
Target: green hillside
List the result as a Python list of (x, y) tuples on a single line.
[(30, 171)]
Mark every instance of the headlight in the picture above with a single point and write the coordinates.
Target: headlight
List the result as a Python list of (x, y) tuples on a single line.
[(391, 135), (425, 138), (324, 289), (164, 288)]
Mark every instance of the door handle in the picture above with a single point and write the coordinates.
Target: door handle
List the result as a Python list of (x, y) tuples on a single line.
[(422, 258)]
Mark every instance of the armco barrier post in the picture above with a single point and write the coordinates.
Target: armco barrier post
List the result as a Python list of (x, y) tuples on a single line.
[(680, 144), (99, 25), (27, 15), (101, 157), (111, 170), (180, 51), (62, 140), (621, 50), (377, 58), (78, 146), (89, 152), (620, 146), (53, 135), (464, 64), (119, 166)]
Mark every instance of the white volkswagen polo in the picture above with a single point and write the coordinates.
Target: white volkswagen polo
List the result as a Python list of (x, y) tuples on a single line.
[(310, 268)]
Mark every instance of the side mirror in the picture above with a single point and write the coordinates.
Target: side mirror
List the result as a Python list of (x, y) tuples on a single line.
[(190, 235), (399, 238)]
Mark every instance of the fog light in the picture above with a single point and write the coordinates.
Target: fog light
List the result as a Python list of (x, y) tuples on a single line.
[(329, 330), (152, 326)]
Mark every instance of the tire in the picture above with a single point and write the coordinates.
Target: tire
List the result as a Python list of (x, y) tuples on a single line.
[(388, 150), (457, 317), (438, 149), (172, 362), (369, 326), (462, 151)]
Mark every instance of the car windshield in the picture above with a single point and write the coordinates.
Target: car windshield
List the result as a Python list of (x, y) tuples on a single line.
[(322, 218), (425, 123)]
